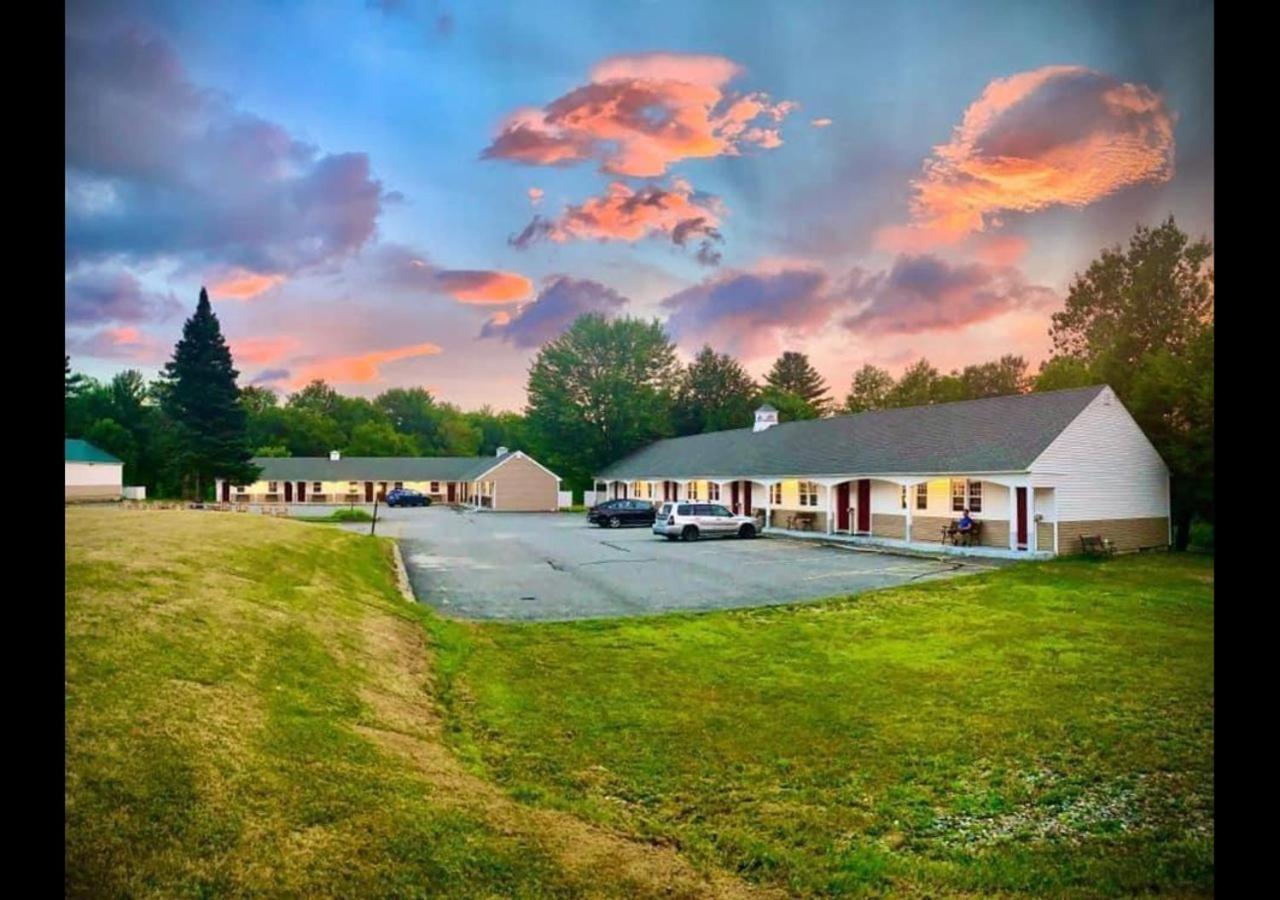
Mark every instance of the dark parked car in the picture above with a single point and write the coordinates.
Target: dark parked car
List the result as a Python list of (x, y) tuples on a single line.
[(616, 513), (406, 497)]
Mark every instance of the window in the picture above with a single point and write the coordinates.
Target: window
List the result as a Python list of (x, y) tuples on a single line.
[(960, 489), (722, 512), (691, 490), (353, 487), (316, 488), (273, 487), (922, 495), (808, 493), (775, 494), (713, 491), (240, 488), (904, 496), (703, 509), (684, 510), (399, 485), (435, 487)]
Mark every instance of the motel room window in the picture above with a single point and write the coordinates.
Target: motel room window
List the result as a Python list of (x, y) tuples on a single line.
[(808, 493), (775, 494), (975, 496), (435, 487), (957, 495), (691, 490), (399, 485), (273, 487), (316, 488), (353, 487), (903, 501), (922, 495), (713, 491)]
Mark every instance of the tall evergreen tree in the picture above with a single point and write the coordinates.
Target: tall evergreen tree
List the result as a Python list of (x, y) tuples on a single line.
[(715, 393), (793, 373), (203, 401), (72, 382)]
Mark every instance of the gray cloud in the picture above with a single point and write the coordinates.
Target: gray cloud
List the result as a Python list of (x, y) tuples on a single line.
[(561, 300), (95, 297)]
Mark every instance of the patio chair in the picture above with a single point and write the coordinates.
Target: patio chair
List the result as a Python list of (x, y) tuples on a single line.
[(1096, 545)]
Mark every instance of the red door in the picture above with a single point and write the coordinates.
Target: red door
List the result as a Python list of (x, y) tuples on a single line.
[(864, 504), (288, 492), (368, 492), (842, 506), (302, 492), (746, 499), (453, 487), (1022, 518), (226, 492), (733, 496)]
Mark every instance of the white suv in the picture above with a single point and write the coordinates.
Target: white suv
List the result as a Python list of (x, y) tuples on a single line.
[(688, 521)]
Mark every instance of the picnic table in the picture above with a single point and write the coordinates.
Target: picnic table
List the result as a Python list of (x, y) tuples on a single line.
[(803, 521)]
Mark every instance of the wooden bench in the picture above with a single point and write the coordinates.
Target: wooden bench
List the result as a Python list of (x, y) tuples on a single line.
[(1096, 545), (802, 521), (951, 534)]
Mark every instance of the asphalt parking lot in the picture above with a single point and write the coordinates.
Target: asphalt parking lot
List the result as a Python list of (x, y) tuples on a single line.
[(550, 567)]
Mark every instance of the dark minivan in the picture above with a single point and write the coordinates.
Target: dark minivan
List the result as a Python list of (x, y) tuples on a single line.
[(616, 513)]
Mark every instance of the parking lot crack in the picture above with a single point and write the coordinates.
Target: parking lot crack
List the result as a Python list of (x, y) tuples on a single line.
[(615, 546)]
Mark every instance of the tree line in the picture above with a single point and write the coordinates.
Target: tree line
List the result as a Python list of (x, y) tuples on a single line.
[(1140, 319)]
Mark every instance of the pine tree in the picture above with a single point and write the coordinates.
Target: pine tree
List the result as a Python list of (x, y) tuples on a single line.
[(204, 403), (72, 382), (793, 373), (715, 393)]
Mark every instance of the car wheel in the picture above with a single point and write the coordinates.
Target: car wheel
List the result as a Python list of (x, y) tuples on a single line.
[(670, 537), (690, 533), (615, 522), (747, 531)]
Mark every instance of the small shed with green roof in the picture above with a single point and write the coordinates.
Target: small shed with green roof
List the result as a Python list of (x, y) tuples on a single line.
[(91, 473)]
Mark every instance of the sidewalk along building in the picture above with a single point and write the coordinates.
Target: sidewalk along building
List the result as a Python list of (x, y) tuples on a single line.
[(513, 482), (90, 473), (1036, 471)]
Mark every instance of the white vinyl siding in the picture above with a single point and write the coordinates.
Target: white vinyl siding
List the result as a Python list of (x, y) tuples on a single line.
[(1103, 467), (84, 474)]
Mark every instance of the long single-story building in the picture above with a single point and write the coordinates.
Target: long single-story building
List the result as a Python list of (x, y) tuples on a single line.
[(1037, 471), (90, 473), (507, 481)]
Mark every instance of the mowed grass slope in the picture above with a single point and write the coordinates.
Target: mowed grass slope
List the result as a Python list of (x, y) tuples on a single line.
[(1047, 728), (249, 711)]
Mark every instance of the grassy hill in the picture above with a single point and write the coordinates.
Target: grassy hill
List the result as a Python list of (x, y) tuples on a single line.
[(252, 708)]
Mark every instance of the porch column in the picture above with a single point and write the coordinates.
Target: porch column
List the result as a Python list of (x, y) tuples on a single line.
[(768, 504), (1013, 517), (910, 490), (831, 508)]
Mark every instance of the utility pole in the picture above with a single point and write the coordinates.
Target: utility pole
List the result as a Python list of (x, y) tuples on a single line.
[(373, 528)]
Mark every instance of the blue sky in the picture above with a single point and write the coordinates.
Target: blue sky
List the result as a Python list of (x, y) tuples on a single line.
[(364, 225)]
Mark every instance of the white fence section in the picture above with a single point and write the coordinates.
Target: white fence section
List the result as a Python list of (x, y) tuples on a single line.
[(136, 493), (565, 498)]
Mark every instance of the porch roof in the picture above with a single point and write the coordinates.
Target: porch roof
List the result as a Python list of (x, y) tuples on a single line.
[(375, 468), (997, 434)]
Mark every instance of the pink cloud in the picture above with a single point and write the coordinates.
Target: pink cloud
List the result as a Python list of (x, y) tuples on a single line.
[(263, 351), (625, 214), (481, 287), (927, 294), (241, 284), (1055, 136), (1000, 249), (639, 114), (820, 123), (124, 342), (535, 196), (359, 369)]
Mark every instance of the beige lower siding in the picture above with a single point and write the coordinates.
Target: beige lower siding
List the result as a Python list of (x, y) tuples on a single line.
[(1044, 536), (928, 529), (887, 525), (995, 533), (1126, 534), (523, 486), (92, 492)]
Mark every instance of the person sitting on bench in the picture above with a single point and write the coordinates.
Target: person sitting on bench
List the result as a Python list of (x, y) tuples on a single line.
[(965, 527)]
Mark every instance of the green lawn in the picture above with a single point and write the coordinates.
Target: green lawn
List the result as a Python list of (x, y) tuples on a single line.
[(251, 708), (1045, 728)]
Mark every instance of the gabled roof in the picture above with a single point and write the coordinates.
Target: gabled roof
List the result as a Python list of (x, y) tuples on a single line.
[(74, 450), (997, 434), (375, 468)]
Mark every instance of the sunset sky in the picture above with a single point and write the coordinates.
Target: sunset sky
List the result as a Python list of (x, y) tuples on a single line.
[(389, 194)]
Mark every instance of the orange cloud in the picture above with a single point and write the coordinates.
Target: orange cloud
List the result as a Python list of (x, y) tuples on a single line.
[(480, 287), (624, 214), (535, 195), (263, 351), (242, 284), (1055, 136), (360, 369), (1000, 249), (641, 113)]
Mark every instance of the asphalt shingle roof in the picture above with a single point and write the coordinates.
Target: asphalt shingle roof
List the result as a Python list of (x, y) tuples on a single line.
[(997, 434), (74, 450), (374, 468)]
